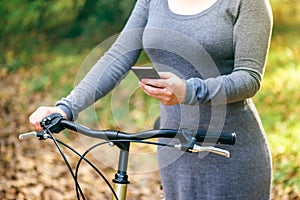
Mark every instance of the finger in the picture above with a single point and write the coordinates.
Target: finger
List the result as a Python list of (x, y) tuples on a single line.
[(35, 123), (164, 97), (37, 116), (38, 127), (144, 90), (158, 83), (157, 91)]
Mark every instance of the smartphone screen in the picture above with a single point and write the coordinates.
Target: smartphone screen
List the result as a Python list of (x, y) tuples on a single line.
[(145, 72)]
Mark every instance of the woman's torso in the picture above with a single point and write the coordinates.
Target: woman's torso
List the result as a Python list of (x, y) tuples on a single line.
[(198, 45)]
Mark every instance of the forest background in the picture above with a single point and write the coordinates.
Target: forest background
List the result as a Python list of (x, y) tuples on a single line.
[(44, 47)]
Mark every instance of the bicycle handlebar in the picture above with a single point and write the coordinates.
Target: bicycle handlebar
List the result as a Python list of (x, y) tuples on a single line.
[(55, 123), (200, 135)]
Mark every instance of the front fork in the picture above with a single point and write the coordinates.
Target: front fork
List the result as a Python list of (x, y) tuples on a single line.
[(121, 191)]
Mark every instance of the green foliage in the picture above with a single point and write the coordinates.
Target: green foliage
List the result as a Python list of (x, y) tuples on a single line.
[(26, 25), (285, 11), (278, 103), (278, 100)]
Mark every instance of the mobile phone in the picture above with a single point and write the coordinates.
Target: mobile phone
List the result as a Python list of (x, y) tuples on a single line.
[(145, 72)]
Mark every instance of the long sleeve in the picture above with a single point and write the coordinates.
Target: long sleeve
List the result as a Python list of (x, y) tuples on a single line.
[(111, 67), (251, 37)]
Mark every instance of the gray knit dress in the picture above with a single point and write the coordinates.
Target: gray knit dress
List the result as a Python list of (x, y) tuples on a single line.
[(221, 53)]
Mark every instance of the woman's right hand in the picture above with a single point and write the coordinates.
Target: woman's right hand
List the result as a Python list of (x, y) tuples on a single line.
[(39, 114)]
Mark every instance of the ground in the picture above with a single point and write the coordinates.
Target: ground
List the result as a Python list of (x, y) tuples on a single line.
[(34, 169)]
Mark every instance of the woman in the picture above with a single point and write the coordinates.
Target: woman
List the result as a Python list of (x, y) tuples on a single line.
[(212, 57)]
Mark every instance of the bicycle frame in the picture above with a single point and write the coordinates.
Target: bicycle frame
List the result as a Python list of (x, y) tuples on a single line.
[(56, 123)]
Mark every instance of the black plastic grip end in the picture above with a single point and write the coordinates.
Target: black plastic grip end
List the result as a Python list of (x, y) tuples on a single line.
[(227, 138), (216, 137)]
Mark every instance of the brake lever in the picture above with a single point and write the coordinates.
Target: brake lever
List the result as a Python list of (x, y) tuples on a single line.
[(42, 135), (25, 136), (196, 149), (222, 152)]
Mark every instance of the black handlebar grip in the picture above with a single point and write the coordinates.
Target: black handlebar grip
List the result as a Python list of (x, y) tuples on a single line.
[(227, 138), (216, 137)]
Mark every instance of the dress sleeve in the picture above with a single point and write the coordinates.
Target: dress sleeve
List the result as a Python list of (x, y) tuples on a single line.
[(111, 67), (251, 38)]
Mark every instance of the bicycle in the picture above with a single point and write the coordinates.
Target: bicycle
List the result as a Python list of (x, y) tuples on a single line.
[(187, 140)]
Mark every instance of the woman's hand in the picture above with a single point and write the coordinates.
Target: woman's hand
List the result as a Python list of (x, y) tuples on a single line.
[(169, 90), (37, 116)]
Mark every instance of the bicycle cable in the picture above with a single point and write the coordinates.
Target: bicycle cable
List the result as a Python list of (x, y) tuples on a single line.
[(91, 164), (82, 157), (67, 163), (106, 142)]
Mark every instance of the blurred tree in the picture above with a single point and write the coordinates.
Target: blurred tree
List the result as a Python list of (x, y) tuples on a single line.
[(86, 10), (27, 16), (25, 23), (99, 12)]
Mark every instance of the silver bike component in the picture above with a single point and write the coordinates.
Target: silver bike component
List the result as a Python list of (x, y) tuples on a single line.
[(33, 134), (197, 148), (215, 150), (45, 136), (111, 144), (29, 135)]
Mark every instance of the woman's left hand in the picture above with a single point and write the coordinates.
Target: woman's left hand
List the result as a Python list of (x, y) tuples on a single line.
[(169, 90)]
